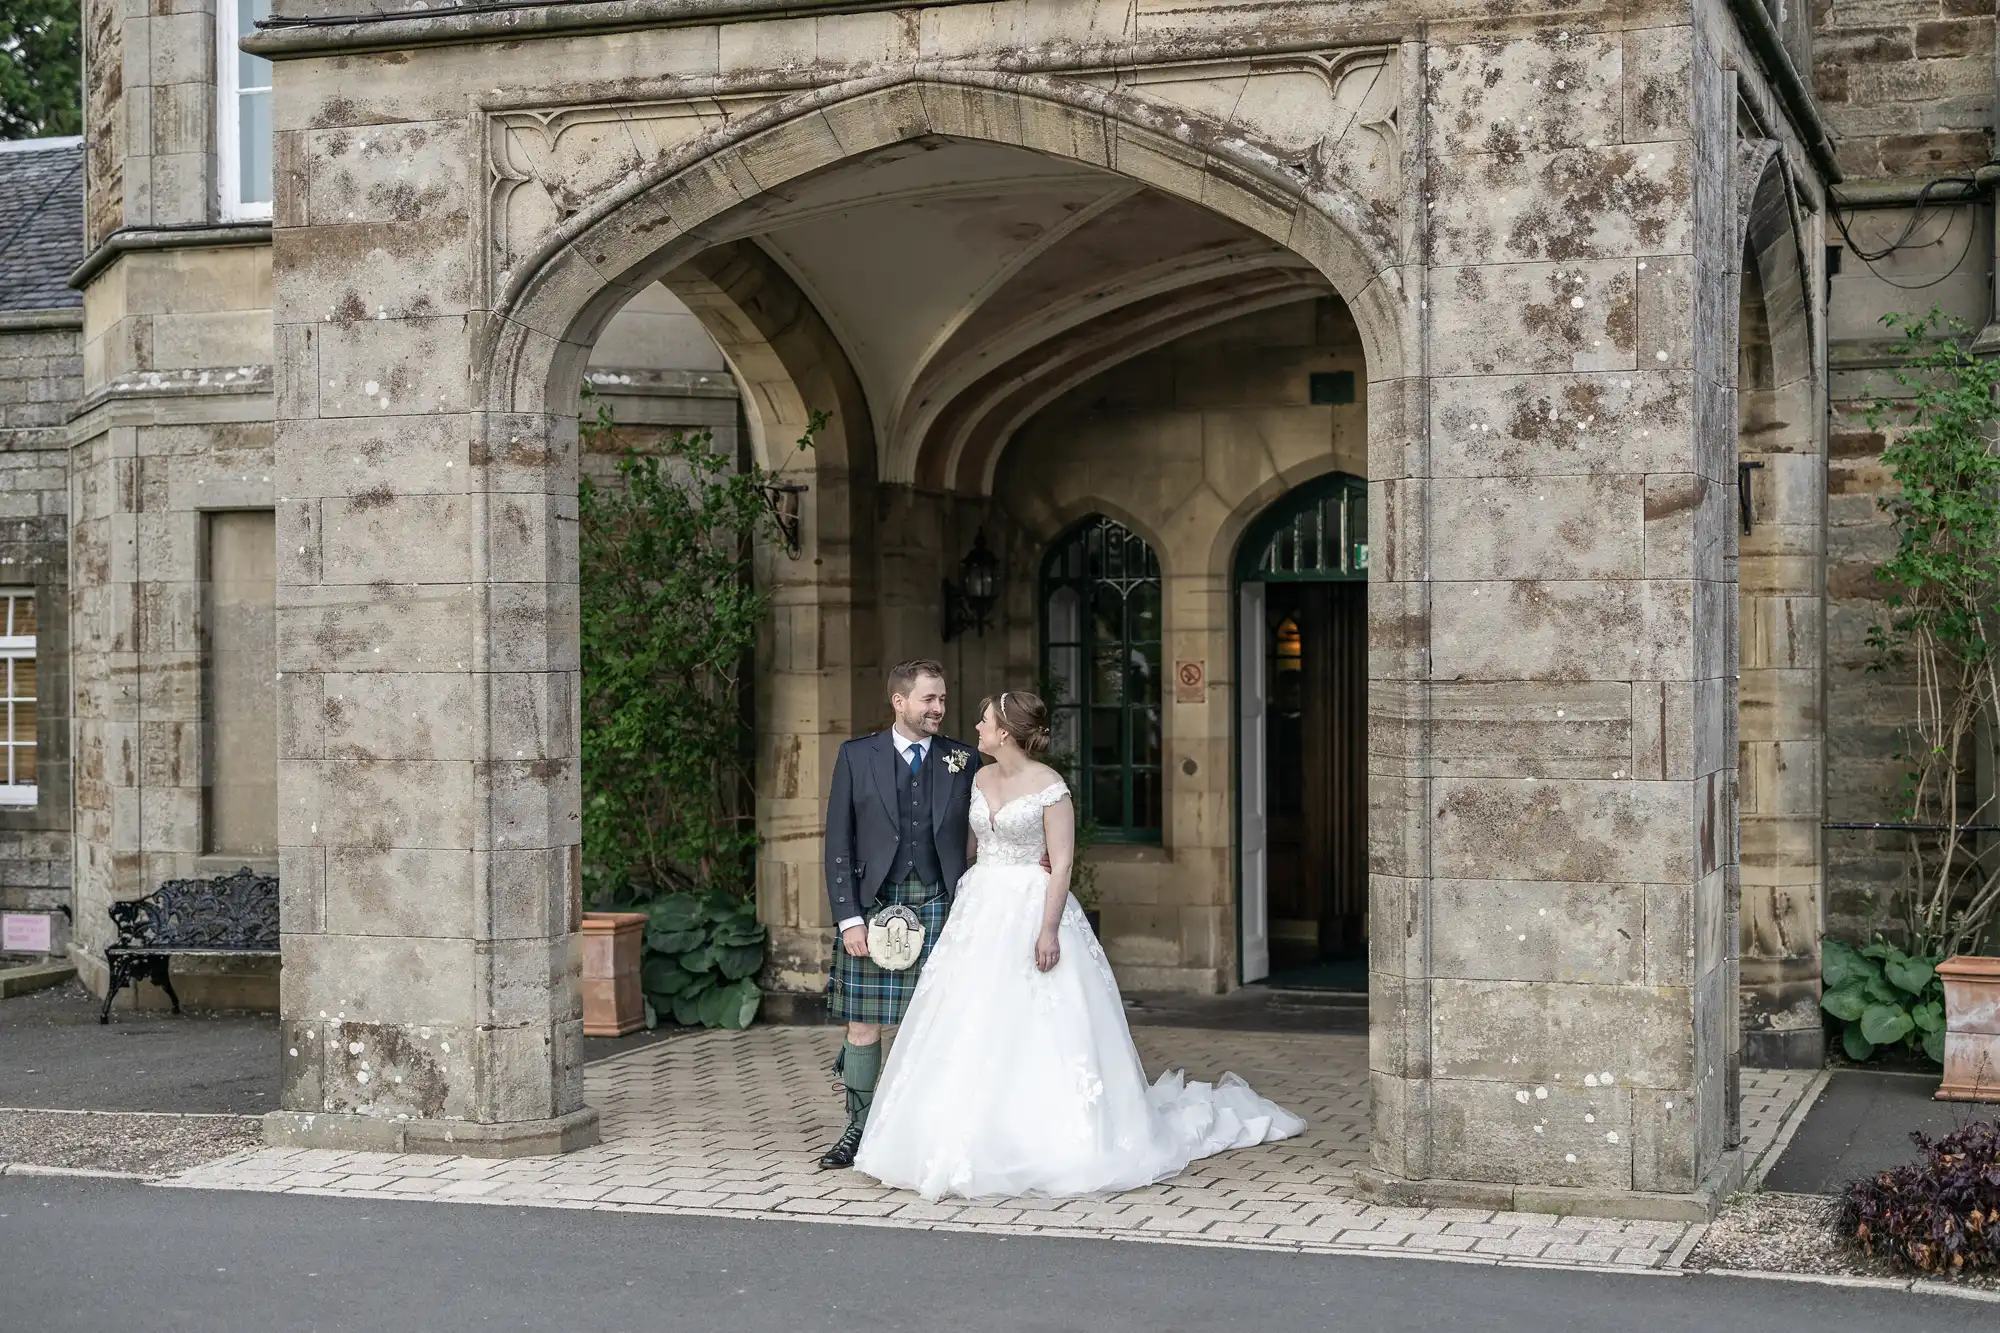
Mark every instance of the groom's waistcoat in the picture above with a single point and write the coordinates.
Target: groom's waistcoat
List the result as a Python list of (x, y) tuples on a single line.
[(916, 848)]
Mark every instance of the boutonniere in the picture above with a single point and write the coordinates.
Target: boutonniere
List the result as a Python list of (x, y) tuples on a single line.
[(956, 760)]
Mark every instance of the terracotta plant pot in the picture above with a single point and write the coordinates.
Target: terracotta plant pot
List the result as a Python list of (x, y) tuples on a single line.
[(1971, 1029), (612, 1002)]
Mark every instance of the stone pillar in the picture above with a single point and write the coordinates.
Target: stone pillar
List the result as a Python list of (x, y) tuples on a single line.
[(168, 111), (1553, 641), (429, 796)]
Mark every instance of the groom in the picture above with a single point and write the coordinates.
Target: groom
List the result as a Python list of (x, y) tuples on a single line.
[(896, 832)]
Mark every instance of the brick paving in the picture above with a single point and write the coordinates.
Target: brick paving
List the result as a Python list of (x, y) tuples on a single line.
[(729, 1124), (1768, 1098)]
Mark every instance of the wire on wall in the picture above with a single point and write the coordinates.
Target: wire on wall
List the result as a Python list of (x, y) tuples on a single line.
[(1917, 217)]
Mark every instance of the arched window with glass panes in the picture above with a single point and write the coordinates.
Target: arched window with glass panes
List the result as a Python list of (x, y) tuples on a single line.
[(1101, 666)]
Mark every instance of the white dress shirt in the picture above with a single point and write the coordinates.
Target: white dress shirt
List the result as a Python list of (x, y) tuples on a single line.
[(903, 744)]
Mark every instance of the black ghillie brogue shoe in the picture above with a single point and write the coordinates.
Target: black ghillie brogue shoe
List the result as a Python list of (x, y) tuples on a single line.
[(841, 1155)]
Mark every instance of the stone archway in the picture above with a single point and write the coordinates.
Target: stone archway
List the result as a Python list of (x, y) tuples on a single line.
[(497, 1062), (791, 366), (1780, 574), (1051, 120), (1496, 359)]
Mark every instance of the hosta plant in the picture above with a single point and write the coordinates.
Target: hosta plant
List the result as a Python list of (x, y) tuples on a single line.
[(1883, 997), (700, 963)]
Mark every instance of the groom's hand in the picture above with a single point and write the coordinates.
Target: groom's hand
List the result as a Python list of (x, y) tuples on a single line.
[(855, 940)]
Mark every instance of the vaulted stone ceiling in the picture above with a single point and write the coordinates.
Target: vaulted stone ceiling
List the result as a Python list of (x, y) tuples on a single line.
[(972, 283)]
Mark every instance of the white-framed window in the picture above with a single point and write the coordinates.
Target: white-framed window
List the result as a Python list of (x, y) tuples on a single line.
[(242, 113), (17, 696)]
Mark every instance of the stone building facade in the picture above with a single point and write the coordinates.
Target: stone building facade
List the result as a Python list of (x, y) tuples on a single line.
[(1354, 396), (41, 325)]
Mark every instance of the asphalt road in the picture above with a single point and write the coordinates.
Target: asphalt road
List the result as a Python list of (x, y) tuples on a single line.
[(91, 1255)]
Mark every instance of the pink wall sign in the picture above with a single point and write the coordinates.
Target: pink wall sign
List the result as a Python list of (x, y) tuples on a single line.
[(24, 932)]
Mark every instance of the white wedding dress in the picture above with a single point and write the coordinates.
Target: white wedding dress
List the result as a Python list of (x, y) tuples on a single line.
[(1005, 1080)]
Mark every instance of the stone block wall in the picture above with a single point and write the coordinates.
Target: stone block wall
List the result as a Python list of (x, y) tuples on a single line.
[(160, 116), (1906, 85), (41, 382), (176, 429), (1908, 89), (103, 113)]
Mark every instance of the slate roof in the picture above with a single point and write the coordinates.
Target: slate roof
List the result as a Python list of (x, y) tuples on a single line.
[(41, 222)]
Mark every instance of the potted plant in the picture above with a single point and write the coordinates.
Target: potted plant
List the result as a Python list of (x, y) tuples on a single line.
[(1936, 994), (613, 1004), (1971, 1029)]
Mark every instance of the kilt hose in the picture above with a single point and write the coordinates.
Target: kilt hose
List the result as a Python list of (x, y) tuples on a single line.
[(857, 991)]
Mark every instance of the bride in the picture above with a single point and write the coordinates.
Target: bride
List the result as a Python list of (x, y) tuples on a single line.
[(1013, 1071)]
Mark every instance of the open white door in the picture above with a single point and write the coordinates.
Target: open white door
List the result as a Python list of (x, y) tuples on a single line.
[(1254, 873)]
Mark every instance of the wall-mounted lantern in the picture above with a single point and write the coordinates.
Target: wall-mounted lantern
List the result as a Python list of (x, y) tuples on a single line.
[(969, 603), (1744, 510), (782, 498)]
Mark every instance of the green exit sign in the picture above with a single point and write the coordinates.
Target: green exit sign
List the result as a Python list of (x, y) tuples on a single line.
[(1332, 386)]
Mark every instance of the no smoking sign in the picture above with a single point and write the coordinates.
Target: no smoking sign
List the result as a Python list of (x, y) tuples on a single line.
[(1190, 682)]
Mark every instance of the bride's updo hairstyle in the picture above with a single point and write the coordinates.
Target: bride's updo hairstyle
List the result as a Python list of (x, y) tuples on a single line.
[(1024, 717)]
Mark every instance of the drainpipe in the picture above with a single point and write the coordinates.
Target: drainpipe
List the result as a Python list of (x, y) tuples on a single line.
[(1988, 341)]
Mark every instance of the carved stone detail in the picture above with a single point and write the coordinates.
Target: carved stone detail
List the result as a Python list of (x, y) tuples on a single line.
[(545, 165), (1331, 116)]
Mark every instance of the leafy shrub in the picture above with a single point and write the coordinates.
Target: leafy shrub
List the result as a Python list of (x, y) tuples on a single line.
[(1883, 997), (703, 951), (668, 617), (1940, 1214)]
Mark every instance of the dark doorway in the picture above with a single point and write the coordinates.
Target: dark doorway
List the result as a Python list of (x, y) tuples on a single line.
[(1317, 773), (1303, 739)]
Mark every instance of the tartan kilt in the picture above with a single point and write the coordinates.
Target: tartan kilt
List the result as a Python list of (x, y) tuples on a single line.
[(857, 991)]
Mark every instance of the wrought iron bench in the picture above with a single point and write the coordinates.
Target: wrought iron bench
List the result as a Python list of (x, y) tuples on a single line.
[(234, 915)]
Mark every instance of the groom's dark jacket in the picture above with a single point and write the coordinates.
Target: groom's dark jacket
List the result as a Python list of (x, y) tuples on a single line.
[(869, 814)]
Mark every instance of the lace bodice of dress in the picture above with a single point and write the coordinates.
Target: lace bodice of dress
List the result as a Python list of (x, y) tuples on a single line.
[(1012, 835)]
